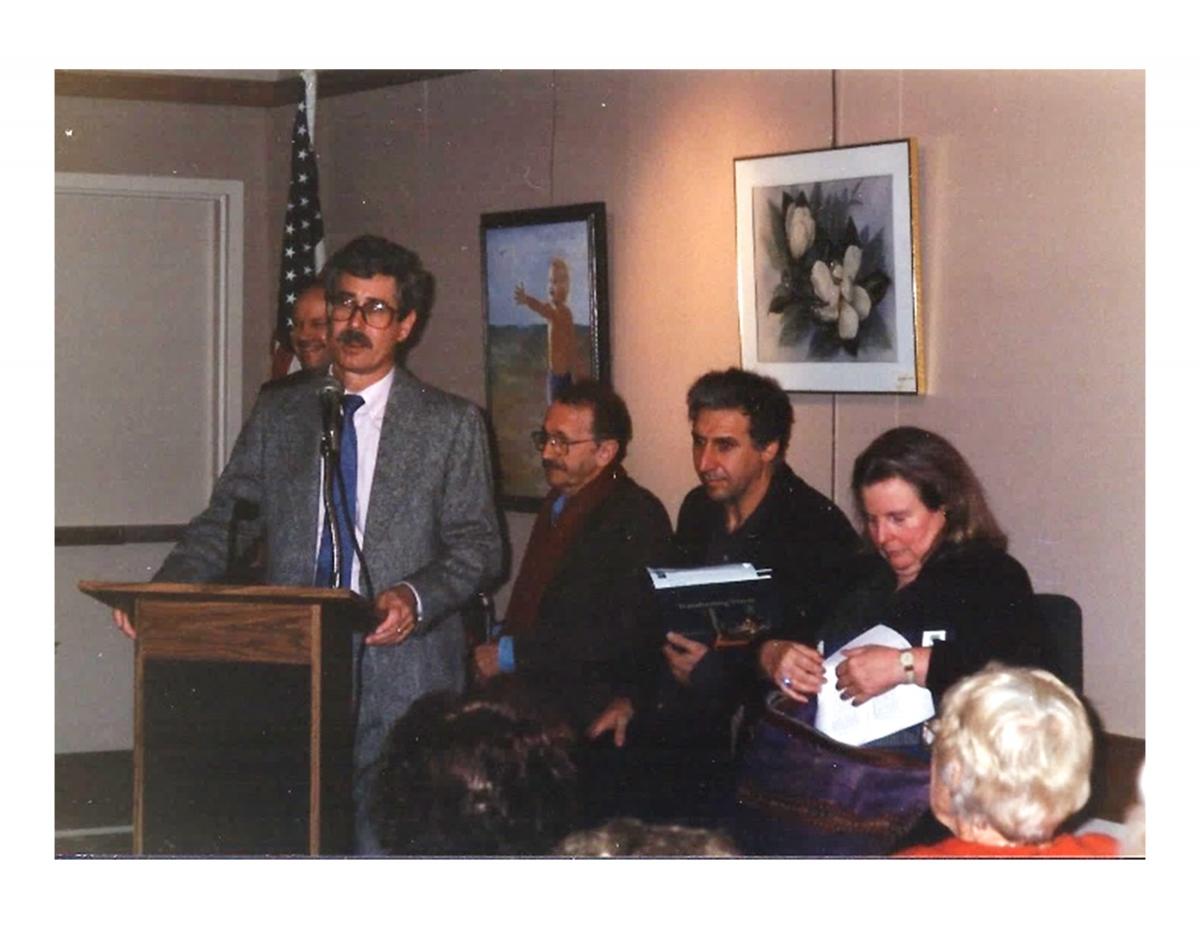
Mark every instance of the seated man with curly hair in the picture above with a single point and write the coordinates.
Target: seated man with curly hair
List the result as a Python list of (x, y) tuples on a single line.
[(475, 777), (1012, 757)]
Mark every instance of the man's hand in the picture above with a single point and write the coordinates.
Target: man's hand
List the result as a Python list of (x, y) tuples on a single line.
[(615, 718), (682, 655), (397, 610), (486, 660), (868, 671), (124, 625), (799, 671)]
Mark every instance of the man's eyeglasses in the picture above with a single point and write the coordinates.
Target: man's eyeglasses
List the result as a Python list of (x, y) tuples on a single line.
[(560, 444), (375, 312)]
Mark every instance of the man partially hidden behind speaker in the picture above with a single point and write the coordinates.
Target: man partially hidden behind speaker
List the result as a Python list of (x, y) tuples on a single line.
[(425, 534)]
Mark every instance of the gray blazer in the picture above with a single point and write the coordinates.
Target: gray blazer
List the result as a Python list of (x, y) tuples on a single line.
[(431, 522)]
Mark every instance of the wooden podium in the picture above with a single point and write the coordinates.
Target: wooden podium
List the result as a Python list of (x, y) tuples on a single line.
[(242, 714)]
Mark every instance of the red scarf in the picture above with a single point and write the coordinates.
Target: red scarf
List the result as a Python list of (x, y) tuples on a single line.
[(548, 545)]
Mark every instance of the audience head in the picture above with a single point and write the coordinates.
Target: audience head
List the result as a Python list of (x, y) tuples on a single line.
[(631, 837), (1012, 756), (309, 331), (474, 778), (761, 399)]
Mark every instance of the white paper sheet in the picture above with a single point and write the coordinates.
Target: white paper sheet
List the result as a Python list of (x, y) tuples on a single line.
[(894, 710), (664, 578)]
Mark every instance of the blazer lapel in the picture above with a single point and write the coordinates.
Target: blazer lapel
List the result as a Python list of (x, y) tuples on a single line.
[(400, 453)]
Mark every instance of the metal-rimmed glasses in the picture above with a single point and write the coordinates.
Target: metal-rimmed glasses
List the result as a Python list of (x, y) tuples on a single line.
[(375, 312), (558, 443)]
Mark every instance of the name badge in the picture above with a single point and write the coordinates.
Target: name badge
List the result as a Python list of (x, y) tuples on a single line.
[(928, 637)]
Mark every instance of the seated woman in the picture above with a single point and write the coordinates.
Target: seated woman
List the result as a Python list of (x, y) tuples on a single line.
[(1012, 756), (938, 575)]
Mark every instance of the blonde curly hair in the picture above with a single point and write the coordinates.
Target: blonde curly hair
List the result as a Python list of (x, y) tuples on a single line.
[(1013, 751)]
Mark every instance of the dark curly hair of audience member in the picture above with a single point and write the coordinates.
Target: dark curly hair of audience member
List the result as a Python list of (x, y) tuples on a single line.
[(632, 837), (474, 778)]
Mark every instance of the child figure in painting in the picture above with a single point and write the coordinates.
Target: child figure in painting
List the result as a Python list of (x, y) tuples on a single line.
[(560, 326)]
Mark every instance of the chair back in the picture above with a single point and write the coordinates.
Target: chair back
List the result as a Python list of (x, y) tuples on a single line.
[(1063, 620)]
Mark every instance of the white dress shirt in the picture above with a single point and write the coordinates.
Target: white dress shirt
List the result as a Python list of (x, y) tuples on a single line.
[(368, 424)]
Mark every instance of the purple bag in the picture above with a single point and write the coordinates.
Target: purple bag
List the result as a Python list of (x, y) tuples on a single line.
[(801, 793)]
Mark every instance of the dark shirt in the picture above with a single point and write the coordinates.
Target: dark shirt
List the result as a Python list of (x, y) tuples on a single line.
[(974, 593), (795, 531), (806, 542)]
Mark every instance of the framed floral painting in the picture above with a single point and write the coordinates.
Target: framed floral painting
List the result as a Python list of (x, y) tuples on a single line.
[(828, 270)]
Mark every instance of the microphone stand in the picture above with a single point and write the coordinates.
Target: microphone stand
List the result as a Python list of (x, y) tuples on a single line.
[(329, 458)]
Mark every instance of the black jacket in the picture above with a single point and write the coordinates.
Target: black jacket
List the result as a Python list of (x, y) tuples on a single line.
[(979, 596), (597, 634)]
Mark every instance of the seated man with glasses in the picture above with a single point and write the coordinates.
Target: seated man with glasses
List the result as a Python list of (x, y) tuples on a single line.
[(580, 626), (421, 535)]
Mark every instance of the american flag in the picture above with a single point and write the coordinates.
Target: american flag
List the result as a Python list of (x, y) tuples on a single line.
[(303, 234)]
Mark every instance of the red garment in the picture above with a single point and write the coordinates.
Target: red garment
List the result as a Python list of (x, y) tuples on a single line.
[(548, 545), (1062, 845)]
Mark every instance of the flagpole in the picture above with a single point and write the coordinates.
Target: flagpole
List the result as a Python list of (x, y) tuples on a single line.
[(310, 112)]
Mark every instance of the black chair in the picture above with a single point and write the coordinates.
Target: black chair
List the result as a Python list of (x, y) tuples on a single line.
[(479, 619), (1063, 620)]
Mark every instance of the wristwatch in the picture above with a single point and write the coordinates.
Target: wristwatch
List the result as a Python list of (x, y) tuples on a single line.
[(906, 664)]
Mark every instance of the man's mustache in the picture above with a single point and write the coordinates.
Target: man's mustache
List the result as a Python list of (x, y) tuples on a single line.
[(549, 465), (352, 337)]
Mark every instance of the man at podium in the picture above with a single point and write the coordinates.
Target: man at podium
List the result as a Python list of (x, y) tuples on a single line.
[(413, 491)]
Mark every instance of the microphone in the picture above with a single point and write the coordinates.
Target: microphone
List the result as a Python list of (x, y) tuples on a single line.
[(330, 398)]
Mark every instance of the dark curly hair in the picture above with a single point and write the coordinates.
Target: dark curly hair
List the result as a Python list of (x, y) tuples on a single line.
[(759, 398), (370, 255), (474, 778), (610, 415)]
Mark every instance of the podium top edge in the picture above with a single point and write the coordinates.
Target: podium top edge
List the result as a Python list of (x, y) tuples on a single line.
[(120, 595)]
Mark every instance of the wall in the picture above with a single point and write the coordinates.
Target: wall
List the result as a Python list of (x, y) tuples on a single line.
[(193, 140), (1032, 271)]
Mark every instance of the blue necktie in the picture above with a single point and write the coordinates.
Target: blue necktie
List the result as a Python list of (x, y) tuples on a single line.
[(344, 491)]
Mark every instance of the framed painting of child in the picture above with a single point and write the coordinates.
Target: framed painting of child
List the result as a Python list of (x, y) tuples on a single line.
[(545, 297)]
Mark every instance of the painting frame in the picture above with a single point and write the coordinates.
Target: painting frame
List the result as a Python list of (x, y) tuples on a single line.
[(515, 247), (814, 314)]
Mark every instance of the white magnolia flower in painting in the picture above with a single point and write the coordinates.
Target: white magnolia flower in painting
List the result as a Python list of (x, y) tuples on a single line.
[(842, 300), (801, 229)]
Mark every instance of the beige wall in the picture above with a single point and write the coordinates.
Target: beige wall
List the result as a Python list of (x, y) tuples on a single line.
[(192, 140), (1032, 236)]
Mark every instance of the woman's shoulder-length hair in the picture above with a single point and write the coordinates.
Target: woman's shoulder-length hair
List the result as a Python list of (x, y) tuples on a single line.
[(941, 477)]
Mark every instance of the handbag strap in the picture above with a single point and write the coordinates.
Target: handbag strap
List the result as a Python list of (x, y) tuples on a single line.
[(777, 714)]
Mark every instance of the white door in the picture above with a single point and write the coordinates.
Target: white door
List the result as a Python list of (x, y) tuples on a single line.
[(148, 332)]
